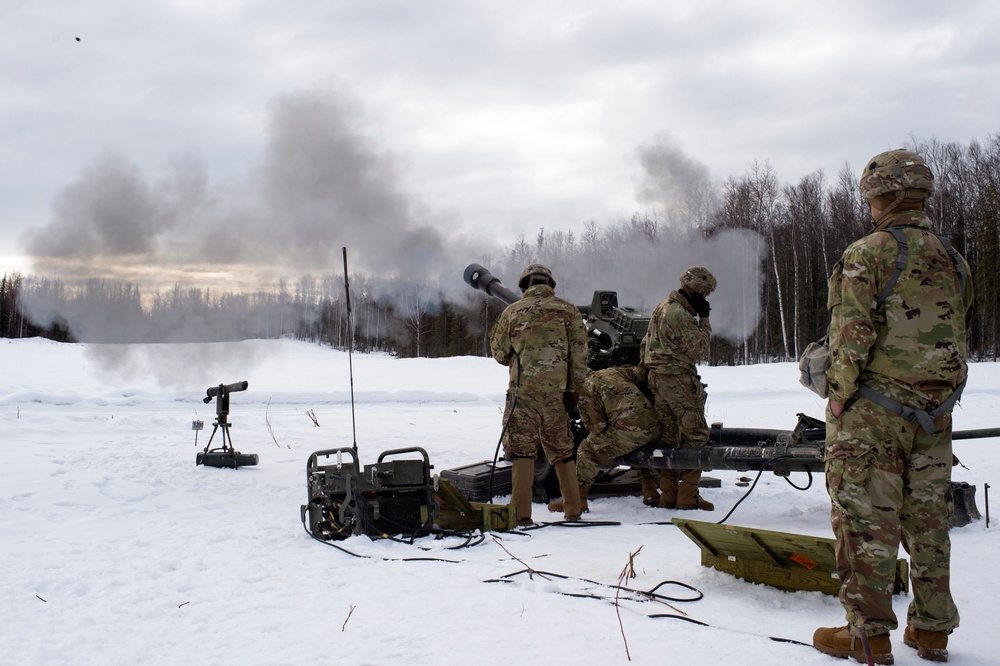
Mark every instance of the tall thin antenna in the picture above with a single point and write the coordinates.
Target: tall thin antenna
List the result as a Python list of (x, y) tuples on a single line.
[(350, 349)]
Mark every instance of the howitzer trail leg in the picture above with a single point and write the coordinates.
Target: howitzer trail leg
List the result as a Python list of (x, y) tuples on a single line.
[(522, 476), (687, 492), (669, 480), (569, 488)]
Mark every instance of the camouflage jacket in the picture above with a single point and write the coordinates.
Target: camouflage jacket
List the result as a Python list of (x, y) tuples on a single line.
[(676, 338), (611, 396), (543, 340), (913, 348)]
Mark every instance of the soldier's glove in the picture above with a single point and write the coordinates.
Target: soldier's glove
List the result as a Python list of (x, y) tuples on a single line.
[(700, 305), (571, 401)]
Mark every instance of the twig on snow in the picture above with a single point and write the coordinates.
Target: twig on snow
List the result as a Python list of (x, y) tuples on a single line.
[(269, 428), (627, 572), (527, 567), (343, 627)]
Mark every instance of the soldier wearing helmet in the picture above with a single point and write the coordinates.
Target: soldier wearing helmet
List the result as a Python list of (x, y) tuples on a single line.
[(895, 181), (677, 339), (898, 341), (535, 274), (542, 339)]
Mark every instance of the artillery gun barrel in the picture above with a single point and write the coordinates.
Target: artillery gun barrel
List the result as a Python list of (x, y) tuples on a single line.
[(480, 278)]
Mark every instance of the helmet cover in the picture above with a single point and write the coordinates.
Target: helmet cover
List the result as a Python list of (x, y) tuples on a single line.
[(699, 280), (535, 274), (900, 171)]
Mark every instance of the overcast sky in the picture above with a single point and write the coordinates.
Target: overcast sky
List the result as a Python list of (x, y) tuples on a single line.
[(212, 119)]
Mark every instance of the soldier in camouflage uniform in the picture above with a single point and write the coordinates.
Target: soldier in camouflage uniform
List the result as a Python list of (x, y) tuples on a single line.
[(677, 338), (619, 419), (894, 373), (542, 339)]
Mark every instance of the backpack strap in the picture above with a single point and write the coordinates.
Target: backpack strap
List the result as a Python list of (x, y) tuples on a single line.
[(956, 258), (904, 251)]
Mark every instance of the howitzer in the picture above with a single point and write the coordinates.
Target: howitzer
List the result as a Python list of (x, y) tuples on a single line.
[(613, 332)]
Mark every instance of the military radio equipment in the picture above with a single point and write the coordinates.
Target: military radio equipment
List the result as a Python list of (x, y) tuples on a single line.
[(225, 455), (389, 497), (614, 333)]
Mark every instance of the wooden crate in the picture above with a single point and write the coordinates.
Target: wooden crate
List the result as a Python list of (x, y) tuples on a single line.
[(783, 560), (458, 513)]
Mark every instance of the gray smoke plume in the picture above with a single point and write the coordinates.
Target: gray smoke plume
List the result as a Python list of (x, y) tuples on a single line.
[(642, 258), (323, 184), (676, 184)]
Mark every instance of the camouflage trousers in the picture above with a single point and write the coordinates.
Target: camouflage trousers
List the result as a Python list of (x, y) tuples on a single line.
[(679, 401), (537, 421), (616, 440), (890, 483)]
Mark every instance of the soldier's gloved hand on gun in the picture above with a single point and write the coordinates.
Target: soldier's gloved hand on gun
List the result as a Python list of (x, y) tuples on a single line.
[(571, 401), (700, 305)]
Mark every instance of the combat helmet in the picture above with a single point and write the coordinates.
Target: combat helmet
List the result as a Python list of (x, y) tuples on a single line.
[(535, 274), (900, 172), (897, 171), (699, 280)]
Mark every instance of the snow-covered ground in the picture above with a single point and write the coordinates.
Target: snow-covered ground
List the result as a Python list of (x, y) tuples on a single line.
[(115, 548)]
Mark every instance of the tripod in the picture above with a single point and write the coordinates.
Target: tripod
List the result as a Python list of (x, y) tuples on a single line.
[(225, 455)]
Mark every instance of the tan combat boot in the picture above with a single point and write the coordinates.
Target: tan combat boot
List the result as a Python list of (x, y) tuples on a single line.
[(687, 492), (669, 478), (839, 642), (522, 477), (569, 488), (930, 645), (650, 490), (557, 505)]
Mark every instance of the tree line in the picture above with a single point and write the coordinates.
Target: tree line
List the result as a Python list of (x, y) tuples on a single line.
[(802, 229), (807, 226)]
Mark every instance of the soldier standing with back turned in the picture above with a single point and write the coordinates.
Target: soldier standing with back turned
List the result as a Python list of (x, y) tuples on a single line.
[(677, 338), (896, 370), (542, 339)]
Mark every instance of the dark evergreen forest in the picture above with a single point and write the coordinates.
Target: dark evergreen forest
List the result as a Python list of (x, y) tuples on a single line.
[(803, 228)]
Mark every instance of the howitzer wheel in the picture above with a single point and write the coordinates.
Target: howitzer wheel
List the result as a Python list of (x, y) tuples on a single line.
[(230, 459)]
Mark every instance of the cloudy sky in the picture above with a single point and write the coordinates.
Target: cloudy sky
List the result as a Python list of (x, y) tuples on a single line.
[(249, 132)]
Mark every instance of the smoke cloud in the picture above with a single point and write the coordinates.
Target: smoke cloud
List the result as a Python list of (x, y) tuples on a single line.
[(643, 258), (676, 183), (323, 183)]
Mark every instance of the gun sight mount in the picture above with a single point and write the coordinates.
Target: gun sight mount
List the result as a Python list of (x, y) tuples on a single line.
[(225, 455)]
